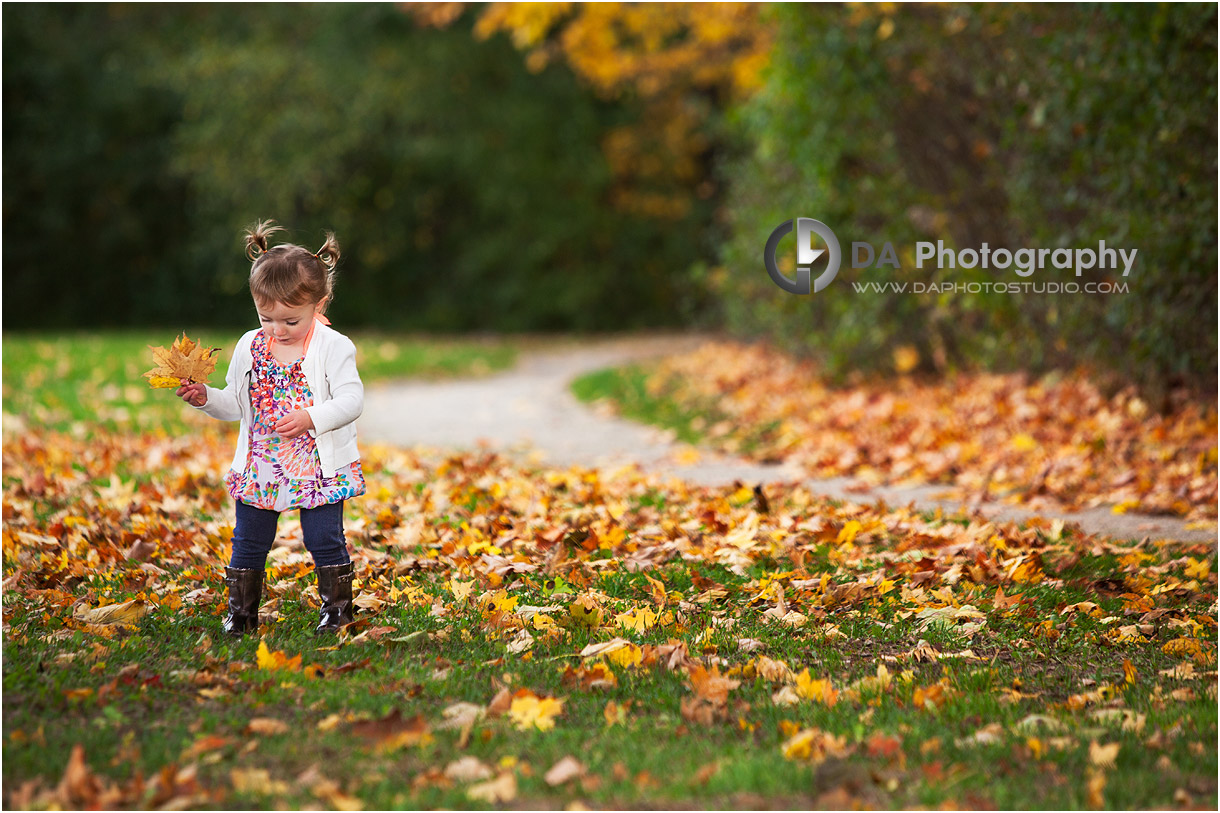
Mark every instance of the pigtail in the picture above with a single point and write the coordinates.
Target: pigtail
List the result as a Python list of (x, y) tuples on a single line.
[(328, 254), (256, 238), (289, 273)]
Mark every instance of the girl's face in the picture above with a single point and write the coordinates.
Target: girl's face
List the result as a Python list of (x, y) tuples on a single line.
[(287, 324)]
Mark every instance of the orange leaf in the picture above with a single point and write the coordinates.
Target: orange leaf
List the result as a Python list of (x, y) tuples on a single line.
[(710, 685), (276, 660)]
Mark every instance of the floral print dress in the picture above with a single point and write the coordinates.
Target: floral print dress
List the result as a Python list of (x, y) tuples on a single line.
[(283, 473)]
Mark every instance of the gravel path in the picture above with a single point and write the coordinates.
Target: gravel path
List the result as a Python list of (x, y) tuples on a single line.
[(529, 411)]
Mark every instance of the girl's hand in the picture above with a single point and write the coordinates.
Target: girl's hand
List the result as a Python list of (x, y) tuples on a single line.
[(294, 423), (194, 394)]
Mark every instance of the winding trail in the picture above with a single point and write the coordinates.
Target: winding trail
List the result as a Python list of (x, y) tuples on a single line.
[(528, 411)]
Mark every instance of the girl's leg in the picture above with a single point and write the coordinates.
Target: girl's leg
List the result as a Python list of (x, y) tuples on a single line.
[(253, 535), (322, 528)]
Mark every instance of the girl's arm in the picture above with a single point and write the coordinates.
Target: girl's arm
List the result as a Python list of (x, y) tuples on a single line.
[(224, 404), (346, 390)]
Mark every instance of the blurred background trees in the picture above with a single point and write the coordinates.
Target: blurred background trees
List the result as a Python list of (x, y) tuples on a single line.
[(515, 167)]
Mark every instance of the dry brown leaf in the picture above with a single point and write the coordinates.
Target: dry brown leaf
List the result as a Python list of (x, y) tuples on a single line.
[(266, 726), (495, 791), (78, 786), (710, 685), (500, 704), (565, 770), (141, 549), (468, 769), (126, 613), (393, 731), (461, 715)]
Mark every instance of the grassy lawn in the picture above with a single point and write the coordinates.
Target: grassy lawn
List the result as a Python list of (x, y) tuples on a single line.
[(632, 392), (95, 379), (542, 638)]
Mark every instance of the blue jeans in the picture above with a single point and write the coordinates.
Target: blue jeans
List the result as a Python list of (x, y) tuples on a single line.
[(254, 533)]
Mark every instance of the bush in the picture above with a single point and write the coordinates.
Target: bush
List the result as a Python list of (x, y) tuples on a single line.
[(1050, 126)]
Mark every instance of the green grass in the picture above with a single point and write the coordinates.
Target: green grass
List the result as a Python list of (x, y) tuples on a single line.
[(626, 388), (154, 711), (95, 379)]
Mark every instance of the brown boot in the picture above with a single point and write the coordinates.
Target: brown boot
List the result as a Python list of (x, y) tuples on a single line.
[(245, 592), (335, 593)]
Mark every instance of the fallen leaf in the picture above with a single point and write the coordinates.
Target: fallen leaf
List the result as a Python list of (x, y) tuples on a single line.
[(125, 613), (141, 550), (710, 685), (1095, 787), (565, 770), (500, 703), (528, 710), (615, 713), (257, 781), (266, 726), (813, 745), (276, 660), (495, 791), (468, 769), (819, 691), (393, 731), (460, 715), (78, 785), (593, 650), (639, 619)]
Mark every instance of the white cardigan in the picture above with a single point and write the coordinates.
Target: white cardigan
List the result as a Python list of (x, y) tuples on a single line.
[(338, 397)]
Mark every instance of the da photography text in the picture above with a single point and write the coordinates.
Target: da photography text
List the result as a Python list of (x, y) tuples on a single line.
[(814, 240), (1024, 261)]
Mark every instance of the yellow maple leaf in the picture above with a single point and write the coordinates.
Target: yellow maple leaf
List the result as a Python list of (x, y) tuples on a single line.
[(528, 710), (1183, 647), (629, 656), (183, 361), (1198, 568), (818, 690), (585, 612), (494, 602), (461, 590), (848, 534), (276, 660), (639, 619), (813, 745)]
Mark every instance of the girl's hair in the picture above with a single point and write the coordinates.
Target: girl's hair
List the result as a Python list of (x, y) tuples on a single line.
[(287, 273)]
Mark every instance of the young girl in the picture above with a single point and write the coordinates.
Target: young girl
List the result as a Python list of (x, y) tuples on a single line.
[(293, 385)]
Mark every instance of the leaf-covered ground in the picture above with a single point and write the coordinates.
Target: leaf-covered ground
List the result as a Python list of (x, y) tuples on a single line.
[(1050, 442), (551, 638)]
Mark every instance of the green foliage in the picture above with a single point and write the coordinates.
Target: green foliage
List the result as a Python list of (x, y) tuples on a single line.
[(89, 203), (1034, 126), (468, 193)]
